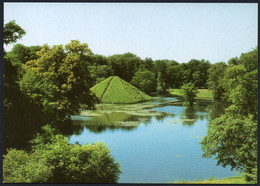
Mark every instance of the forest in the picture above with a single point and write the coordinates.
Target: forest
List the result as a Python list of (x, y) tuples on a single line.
[(45, 85)]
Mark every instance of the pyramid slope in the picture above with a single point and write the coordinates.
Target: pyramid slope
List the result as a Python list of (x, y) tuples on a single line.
[(116, 90)]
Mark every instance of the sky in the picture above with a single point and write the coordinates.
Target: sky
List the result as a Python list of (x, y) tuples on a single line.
[(174, 31)]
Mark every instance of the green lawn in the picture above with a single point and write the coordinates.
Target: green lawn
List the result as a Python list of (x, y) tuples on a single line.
[(229, 180), (203, 93)]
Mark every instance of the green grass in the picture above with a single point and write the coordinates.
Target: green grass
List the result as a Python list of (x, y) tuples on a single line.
[(229, 180), (203, 93), (116, 90)]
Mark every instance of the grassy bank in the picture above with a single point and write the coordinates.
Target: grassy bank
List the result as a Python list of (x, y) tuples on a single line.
[(203, 93), (229, 180)]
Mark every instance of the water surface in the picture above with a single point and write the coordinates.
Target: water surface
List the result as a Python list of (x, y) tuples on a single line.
[(160, 149)]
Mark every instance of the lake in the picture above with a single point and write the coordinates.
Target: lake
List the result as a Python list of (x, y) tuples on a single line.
[(156, 142)]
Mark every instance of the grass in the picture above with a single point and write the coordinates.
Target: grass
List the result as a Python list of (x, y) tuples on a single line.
[(202, 94), (115, 90), (229, 180)]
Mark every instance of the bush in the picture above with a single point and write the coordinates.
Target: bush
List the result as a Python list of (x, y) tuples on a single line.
[(22, 167), (54, 160), (79, 163)]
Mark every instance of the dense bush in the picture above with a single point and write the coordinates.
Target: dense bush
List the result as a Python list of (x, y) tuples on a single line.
[(22, 167), (54, 160)]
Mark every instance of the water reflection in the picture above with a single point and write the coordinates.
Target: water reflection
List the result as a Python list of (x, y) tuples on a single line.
[(118, 117), (158, 149), (108, 121), (19, 131)]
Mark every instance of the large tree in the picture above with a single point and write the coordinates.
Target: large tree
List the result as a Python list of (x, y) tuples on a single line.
[(59, 79), (232, 138), (145, 81)]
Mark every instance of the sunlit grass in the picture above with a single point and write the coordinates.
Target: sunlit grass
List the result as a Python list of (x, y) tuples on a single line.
[(116, 90), (229, 180), (202, 94)]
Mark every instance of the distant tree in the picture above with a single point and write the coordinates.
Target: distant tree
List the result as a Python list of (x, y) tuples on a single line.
[(161, 86), (160, 66), (190, 92), (173, 76), (215, 80), (124, 65), (99, 60), (147, 64), (145, 81), (12, 32)]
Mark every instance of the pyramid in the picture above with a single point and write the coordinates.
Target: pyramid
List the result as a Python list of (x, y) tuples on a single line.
[(116, 90)]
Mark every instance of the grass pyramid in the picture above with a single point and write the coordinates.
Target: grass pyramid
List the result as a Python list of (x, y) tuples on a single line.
[(116, 90)]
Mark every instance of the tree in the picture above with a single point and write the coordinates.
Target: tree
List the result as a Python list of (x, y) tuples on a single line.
[(161, 86), (124, 65), (190, 92), (12, 32), (59, 79), (145, 81), (241, 89), (231, 139), (215, 80), (173, 77)]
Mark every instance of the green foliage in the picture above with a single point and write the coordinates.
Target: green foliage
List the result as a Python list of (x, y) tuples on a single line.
[(22, 167), (190, 92), (232, 138), (116, 90), (144, 80), (54, 160), (80, 163), (12, 32), (59, 79), (174, 76), (124, 65), (215, 80), (161, 87), (241, 89)]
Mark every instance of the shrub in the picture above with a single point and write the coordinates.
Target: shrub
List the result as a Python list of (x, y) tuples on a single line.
[(22, 167), (54, 160)]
